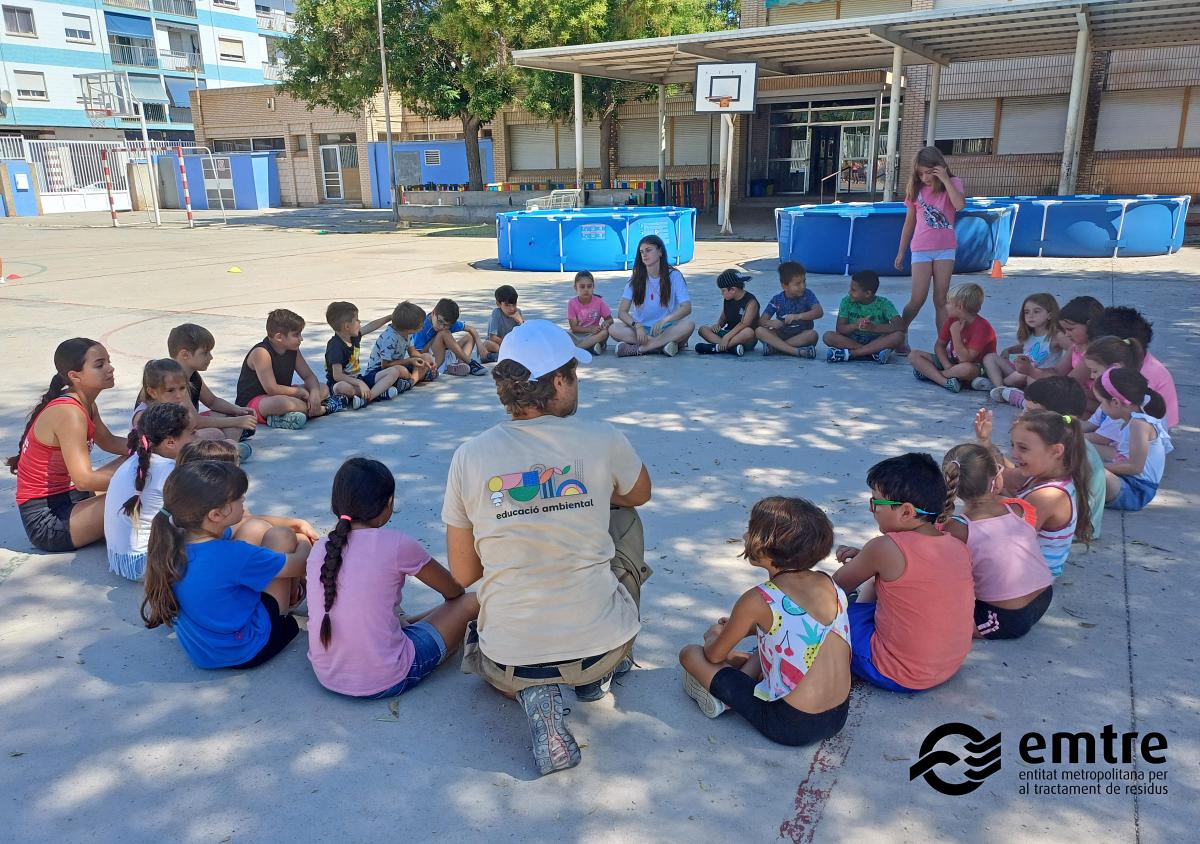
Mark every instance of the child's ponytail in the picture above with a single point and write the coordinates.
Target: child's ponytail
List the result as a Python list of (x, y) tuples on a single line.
[(191, 492), (362, 490), (158, 423), (68, 357), (1060, 429), (1129, 387), (970, 470), (1115, 351)]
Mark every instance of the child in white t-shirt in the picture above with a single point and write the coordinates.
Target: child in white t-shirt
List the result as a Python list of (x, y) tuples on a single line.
[(135, 491)]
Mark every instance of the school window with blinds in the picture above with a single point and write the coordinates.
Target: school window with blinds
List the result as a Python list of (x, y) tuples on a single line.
[(231, 49), (31, 85), (19, 21), (965, 127), (77, 28)]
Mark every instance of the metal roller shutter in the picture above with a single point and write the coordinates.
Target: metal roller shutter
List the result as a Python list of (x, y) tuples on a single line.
[(804, 12), (566, 146), (965, 119), (1032, 124), (531, 147), (691, 139), (1191, 130), (865, 8), (638, 142), (1139, 119)]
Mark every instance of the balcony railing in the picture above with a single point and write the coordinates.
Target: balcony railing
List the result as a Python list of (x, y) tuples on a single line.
[(276, 22), (172, 60), (136, 56), (183, 8), (273, 72)]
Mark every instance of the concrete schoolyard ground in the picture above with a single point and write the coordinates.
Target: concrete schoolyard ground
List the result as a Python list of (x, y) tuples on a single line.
[(109, 734)]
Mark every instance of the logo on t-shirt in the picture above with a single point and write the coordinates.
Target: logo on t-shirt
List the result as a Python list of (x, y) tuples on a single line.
[(536, 482), (934, 218)]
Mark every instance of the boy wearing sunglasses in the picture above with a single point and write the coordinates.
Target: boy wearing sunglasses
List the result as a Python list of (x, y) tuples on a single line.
[(913, 629)]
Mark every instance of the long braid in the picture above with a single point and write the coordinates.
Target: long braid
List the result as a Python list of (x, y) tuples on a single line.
[(339, 537), (157, 424), (139, 447), (951, 471)]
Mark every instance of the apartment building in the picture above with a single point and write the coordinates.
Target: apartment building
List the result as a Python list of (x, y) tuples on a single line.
[(167, 48)]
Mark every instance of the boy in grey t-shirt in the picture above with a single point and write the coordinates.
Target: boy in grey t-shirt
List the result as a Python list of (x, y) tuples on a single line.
[(505, 317)]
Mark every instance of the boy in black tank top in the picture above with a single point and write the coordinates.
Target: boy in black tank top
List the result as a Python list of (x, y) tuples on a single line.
[(265, 382), (733, 332)]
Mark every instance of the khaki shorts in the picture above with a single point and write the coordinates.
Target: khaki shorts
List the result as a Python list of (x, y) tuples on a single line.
[(625, 527)]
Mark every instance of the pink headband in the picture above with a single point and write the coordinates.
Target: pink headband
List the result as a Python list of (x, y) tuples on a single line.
[(1113, 392), (347, 518)]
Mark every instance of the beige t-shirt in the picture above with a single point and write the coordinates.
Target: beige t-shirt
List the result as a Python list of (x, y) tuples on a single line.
[(536, 494)]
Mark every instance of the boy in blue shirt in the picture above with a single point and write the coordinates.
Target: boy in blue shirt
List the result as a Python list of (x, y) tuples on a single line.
[(786, 326), (868, 326), (437, 336)]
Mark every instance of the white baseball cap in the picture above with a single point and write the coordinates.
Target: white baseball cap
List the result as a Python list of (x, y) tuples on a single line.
[(541, 346)]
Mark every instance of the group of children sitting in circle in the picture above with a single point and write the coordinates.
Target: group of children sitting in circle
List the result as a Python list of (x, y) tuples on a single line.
[(1093, 433)]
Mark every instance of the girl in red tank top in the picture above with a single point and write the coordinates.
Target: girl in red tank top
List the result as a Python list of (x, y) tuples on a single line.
[(56, 483)]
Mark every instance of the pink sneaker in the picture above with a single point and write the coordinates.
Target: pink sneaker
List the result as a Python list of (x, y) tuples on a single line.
[(458, 369), (625, 350)]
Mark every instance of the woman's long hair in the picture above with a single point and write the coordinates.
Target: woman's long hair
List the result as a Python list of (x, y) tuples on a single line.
[(638, 280), (68, 357)]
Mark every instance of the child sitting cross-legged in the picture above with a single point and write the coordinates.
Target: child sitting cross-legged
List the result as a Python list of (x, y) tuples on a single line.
[(344, 373), (867, 325), (361, 648), (913, 630), (1034, 354), (392, 349), (228, 600), (733, 332), (1134, 468), (1013, 587), (795, 687), (505, 317), (191, 346), (964, 340), (786, 326), (437, 336), (588, 315), (1128, 323), (165, 381)]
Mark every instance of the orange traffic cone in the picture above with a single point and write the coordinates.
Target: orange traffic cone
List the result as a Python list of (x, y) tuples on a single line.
[(997, 272)]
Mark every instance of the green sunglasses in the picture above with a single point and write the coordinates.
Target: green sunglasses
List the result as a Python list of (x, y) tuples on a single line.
[(887, 502)]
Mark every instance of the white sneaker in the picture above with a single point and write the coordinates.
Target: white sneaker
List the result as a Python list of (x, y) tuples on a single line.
[(671, 349), (709, 705), (980, 383), (357, 402)]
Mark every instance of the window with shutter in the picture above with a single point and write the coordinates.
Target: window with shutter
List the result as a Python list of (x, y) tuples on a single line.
[(566, 146), (802, 13), (1032, 124), (531, 147), (637, 144), (1139, 119), (965, 119), (865, 8), (1191, 128), (695, 138)]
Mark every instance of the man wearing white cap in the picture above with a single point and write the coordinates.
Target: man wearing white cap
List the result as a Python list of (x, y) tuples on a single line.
[(539, 510)]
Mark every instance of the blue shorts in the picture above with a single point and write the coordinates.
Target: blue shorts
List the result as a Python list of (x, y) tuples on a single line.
[(863, 338), (862, 628), (933, 255), (431, 650), (1135, 494)]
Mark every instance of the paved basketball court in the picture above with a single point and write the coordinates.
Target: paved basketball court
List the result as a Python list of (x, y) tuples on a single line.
[(109, 734)]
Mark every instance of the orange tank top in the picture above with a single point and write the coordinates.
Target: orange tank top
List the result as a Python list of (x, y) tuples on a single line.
[(924, 619)]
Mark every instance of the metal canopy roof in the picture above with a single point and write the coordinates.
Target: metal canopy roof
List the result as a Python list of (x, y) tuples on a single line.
[(1009, 30)]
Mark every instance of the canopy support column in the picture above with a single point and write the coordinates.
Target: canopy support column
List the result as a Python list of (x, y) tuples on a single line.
[(935, 92), (578, 129), (893, 135), (1068, 175), (662, 138)]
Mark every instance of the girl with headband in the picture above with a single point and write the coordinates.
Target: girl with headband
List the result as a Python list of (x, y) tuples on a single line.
[(1133, 468)]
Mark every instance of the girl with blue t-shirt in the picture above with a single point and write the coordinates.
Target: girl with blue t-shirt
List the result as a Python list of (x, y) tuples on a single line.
[(1036, 348), (1134, 468), (224, 597)]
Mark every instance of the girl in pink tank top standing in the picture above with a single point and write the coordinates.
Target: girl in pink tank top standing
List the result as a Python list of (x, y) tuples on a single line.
[(1012, 583)]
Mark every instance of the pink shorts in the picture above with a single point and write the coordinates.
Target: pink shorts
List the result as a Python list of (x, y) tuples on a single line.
[(253, 405)]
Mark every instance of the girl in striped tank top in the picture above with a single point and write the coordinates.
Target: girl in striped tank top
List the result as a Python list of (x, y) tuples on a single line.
[(1050, 452)]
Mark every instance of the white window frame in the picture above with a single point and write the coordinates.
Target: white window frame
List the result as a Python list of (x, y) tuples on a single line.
[(75, 39), (32, 22), (228, 4), (229, 57), (45, 95)]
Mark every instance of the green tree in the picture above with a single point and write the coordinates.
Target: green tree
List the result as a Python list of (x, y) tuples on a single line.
[(333, 60), (496, 26)]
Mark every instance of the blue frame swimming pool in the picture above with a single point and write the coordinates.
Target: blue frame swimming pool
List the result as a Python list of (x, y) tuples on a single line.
[(591, 238)]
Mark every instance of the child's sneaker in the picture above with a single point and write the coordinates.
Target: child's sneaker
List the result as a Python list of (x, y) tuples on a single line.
[(1009, 395), (919, 375), (981, 383), (403, 385), (599, 348), (628, 350), (244, 451), (492, 357), (706, 348), (952, 385), (807, 352), (292, 421), (594, 691), (388, 394), (768, 349), (334, 404), (457, 368), (837, 355), (739, 350), (671, 349), (708, 704), (554, 748), (477, 368), (357, 402), (882, 356)]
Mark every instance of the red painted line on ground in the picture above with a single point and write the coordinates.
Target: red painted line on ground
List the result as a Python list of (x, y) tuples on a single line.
[(815, 789)]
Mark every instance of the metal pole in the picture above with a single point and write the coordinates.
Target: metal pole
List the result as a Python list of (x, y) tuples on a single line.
[(578, 78), (727, 228), (935, 90), (662, 141), (387, 114), (150, 164), (1066, 177), (187, 197), (112, 205), (722, 175), (893, 136), (874, 144)]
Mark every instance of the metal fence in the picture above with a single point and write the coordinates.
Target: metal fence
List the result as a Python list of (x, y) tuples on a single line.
[(71, 173), (12, 146)]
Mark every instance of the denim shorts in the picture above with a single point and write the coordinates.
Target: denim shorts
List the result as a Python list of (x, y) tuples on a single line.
[(1135, 494), (430, 651), (932, 255), (862, 628)]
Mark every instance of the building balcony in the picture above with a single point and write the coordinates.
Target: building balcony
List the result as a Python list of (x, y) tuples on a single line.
[(274, 72), (183, 8), (133, 56), (276, 22), (186, 62)]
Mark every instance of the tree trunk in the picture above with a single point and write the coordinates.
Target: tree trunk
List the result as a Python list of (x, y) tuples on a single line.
[(470, 125), (607, 136)]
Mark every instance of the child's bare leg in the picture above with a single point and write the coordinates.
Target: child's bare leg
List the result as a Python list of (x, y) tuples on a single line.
[(997, 368), (284, 541), (1112, 486), (694, 662), (252, 530), (490, 347), (771, 338), (279, 405), (742, 335), (462, 351), (451, 619), (840, 341), (709, 335), (1016, 379), (891, 340), (385, 379), (942, 273), (804, 338), (437, 348), (341, 388), (923, 363), (922, 273), (213, 434)]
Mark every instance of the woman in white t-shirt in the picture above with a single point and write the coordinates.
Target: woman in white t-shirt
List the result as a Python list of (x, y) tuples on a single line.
[(654, 308), (136, 489)]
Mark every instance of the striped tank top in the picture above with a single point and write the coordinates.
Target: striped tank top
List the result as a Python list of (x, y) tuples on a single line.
[(1055, 544)]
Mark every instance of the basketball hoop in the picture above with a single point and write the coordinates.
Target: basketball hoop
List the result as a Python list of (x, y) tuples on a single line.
[(98, 117), (721, 102)]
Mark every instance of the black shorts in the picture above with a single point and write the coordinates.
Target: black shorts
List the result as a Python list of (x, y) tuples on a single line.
[(999, 623), (283, 629), (48, 520), (777, 720)]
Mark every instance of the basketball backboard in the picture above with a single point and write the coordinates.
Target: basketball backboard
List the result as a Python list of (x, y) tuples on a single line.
[(726, 87), (105, 95)]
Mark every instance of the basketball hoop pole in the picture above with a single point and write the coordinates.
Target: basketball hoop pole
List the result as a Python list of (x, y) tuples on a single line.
[(149, 162)]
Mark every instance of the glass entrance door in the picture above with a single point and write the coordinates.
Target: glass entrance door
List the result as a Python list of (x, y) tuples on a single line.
[(331, 173), (855, 164), (788, 158)]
